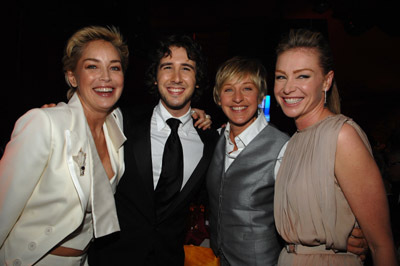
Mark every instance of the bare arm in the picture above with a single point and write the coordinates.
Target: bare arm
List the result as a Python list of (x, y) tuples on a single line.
[(362, 185)]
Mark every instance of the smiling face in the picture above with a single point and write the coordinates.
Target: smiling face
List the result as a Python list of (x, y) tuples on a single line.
[(176, 79), (300, 84), (239, 101), (98, 77)]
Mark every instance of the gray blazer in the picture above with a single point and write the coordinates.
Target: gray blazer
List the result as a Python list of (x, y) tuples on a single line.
[(241, 201)]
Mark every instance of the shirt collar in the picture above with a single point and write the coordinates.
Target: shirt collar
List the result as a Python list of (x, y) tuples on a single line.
[(162, 115), (114, 131), (250, 132)]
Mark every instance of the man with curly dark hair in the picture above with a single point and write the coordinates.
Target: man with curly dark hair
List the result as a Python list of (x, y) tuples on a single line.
[(153, 230)]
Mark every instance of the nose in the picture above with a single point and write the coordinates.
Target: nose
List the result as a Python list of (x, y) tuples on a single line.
[(105, 75), (237, 96), (289, 86), (176, 77)]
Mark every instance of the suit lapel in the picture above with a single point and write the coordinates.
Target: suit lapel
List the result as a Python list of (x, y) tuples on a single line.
[(93, 177), (76, 151), (142, 152), (76, 144), (138, 177)]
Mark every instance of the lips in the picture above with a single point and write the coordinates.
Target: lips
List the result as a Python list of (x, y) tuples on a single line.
[(292, 100), (238, 108), (175, 90), (103, 90)]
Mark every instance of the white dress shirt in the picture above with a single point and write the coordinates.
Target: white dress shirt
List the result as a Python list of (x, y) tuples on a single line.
[(191, 143), (244, 138)]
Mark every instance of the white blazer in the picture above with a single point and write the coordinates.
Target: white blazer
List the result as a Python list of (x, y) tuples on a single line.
[(43, 190)]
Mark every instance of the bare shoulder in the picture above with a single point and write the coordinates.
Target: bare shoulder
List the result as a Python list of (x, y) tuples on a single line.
[(349, 138), (351, 151)]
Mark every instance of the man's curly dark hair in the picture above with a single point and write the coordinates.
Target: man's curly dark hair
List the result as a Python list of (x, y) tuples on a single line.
[(194, 52)]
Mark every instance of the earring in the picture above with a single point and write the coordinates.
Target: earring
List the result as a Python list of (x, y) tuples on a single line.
[(325, 99), (155, 82)]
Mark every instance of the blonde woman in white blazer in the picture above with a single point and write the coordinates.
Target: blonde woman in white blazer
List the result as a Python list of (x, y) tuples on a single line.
[(61, 166)]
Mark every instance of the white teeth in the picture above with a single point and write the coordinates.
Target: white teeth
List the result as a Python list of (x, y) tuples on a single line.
[(292, 100), (238, 108), (175, 89), (104, 89)]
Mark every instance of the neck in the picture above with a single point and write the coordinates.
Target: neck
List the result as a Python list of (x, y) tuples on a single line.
[(177, 112), (313, 117), (96, 125)]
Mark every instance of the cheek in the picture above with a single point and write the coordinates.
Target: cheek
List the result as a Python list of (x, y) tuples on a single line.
[(120, 80), (276, 90), (161, 76), (224, 100), (190, 79)]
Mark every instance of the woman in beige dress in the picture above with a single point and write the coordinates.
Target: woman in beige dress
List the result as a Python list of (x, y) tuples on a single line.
[(328, 182)]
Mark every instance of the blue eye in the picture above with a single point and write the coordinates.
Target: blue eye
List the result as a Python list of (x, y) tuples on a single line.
[(116, 68), (303, 76), (166, 67), (277, 77), (91, 67)]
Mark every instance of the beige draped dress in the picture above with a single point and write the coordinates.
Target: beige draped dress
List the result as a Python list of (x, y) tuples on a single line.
[(311, 211)]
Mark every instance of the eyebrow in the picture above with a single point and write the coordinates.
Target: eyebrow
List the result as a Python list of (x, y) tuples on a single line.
[(303, 69), (96, 60), (170, 64), (296, 71)]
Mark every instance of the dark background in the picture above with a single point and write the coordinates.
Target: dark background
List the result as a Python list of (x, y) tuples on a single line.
[(363, 34)]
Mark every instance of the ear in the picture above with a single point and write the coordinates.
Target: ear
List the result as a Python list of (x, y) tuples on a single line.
[(71, 78), (261, 97), (328, 80)]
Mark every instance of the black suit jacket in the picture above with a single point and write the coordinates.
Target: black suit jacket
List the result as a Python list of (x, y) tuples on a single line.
[(145, 239)]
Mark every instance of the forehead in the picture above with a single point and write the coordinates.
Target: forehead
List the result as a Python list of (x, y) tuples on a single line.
[(178, 54), (239, 78), (98, 48), (298, 58)]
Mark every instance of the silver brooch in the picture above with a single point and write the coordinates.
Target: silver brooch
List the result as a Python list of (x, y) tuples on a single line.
[(80, 159)]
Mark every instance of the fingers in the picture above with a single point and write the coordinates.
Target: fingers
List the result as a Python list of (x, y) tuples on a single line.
[(357, 233), (48, 105), (198, 113), (194, 114), (358, 246), (203, 120), (203, 123)]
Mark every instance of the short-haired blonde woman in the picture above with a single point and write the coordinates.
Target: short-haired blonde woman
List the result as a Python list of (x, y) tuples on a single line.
[(61, 166)]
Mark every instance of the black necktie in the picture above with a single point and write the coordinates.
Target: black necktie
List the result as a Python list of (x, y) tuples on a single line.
[(171, 176)]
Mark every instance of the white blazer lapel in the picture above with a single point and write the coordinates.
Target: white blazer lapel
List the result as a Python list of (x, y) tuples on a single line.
[(75, 168), (105, 220), (114, 123), (104, 214)]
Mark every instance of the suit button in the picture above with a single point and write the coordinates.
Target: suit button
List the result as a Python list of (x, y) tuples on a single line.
[(48, 230), (17, 262), (32, 246)]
